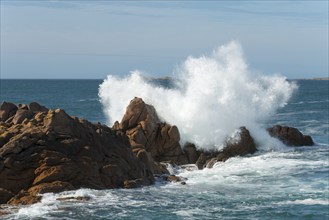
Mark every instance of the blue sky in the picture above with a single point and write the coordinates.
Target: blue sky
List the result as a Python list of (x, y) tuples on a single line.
[(90, 39)]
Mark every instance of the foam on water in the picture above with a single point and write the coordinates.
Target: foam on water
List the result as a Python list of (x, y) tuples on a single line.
[(263, 181), (307, 202), (214, 95)]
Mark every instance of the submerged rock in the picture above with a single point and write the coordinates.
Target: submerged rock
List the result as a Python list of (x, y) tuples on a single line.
[(48, 151), (290, 136)]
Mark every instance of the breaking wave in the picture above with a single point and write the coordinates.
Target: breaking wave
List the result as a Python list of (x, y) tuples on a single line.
[(213, 96)]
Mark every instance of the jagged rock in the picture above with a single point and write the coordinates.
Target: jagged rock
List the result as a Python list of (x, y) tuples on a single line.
[(191, 153), (7, 110), (242, 144), (145, 130), (290, 136), (51, 152), (22, 106), (203, 158), (130, 184), (22, 114), (36, 107)]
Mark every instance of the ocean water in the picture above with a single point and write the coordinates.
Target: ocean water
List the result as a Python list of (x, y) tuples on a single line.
[(279, 183)]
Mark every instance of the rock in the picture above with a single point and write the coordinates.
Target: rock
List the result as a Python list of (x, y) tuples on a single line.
[(145, 130), (290, 136), (51, 152), (243, 145), (31, 195), (5, 195), (239, 145), (173, 179), (203, 158), (22, 114), (36, 107), (7, 110), (130, 184), (159, 168), (22, 106), (191, 153), (77, 198)]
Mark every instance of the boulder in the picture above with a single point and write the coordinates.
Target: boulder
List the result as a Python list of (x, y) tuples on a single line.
[(22, 114), (51, 152), (7, 110), (22, 106), (36, 107), (240, 144), (145, 130), (290, 136), (191, 153)]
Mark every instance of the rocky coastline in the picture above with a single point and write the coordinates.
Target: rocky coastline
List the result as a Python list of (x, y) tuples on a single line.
[(44, 150)]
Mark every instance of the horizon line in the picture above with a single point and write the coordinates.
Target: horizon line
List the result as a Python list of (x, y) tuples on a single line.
[(311, 78)]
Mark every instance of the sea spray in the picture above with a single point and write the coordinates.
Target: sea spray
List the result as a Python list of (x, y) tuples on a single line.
[(214, 95)]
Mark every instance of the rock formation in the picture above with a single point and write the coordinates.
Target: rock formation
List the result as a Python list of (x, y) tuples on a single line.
[(160, 140), (290, 136), (146, 133), (241, 145), (45, 150)]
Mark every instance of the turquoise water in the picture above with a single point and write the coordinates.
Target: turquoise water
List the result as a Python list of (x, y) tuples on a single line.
[(284, 183)]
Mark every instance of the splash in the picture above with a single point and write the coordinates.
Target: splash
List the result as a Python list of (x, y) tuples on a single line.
[(214, 95)]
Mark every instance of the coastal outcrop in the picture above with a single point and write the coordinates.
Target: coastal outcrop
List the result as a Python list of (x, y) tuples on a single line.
[(45, 150), (290, 136), (240, 144), (160, 140), (157, 141)]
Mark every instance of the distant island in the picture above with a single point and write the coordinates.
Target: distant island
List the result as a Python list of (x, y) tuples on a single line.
[(321, 78), (317, 78)]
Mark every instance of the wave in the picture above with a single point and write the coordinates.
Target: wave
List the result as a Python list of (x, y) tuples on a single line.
[(213, 96), (88, 100), (306, 202), (308, 102)]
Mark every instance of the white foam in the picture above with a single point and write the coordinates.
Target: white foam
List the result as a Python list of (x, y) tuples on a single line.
[(189, 212), (241, 170), (215, 95), (306, 202)]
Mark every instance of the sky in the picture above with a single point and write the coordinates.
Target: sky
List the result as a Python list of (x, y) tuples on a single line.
[(91, 39)]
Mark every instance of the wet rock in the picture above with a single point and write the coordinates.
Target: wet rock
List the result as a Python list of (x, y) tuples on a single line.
[(203, 158), (243, 145), (290, 136), (173, 179), (130, 184), (191, 153), (240, 144)]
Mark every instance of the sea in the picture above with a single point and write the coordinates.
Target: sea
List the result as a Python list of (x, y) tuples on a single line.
[(282, 183)]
